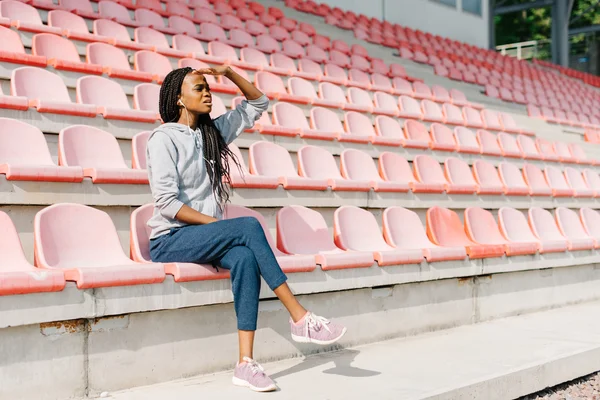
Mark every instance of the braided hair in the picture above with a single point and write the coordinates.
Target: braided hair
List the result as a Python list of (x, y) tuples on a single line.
[(216, 152)]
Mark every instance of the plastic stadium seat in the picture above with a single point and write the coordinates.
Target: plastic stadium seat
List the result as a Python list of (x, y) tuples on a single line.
[(293, 49), (577, 183), (515, 228), (82, 8), (14, 52), (466, 140), (301, 38), (284, 63), (429, 176), (481, 227), (432, 111), (579, 154), (303, 88), (153, 19), (487, 178), (83, 242), (139, 142), (409, 108), (444, 228), (119, 34), (218, 107), (545, 229), (73, 26), (157, 41), (356, 229), (335, 74), (592, 179), (334, 95), (258, 58), (310, 67), (17, 276), (590, 220), (388, 131), (292, 117), (24, 155), (460, 99), (491, 120), (114, 62), (229, 22), (267, 44), (317, 163), (459, 176), (416, 134), (546, 149), (183, 25), (509, 125), (528, 148), (140, 251), (557, 182), (145, 97), (358, 165), (377, 65), (397, 70), (156, 64), (563, 151), (385, 104), (150, 5), (402, 87), (273, 86), (278, 33), (24, 17), (46, 92), (269, 159), (537, 182), (242, 178), (442, 138), (267, 19), (209, 32), (361, 63), (98, 153), (452, 114), (301, 230), (255, 28), (472, 117), (340, 59), (359, 79), (572, 228), (512, 179), (193, 48), (382, 83), (61, 54), (228, 54), (395, 168), (177, 8), (509, 146), (422, 91), (488, 143), (358, 129), (115, 12)]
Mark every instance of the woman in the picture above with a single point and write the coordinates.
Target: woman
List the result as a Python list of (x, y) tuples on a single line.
[(188, 170)]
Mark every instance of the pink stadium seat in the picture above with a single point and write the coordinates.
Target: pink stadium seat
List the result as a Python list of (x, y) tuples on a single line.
[(397, 70), (452, 114), (361, 63), (546, 149), (340, 59), (385, 104), (528, 148), (293, 49), (322, 41), (255, 28), (292, 117), (281, 62), (267, 44), (378, 65), (156, 64), (491, 120), (145, 97), (110, 99), (358, 165), (557, 182), (73, 26), (301, 230), (178, 9), (310, 67), (481, 227), (140, 251), (229, 22), (192, 48), (17, 276), (242, 178), (210, 32), (139, 143), (153, 5), (334, 95), (515, 228), (440, 94), (488, 143), (82, 8), (98, 153), (432, 111), (24, 17), (513, 180), (269, 159), (579, 154), (267, 19), (24, 155), (487, 178), (460, 177), (240, 38), (403, 229), (359, 129), (183, 25), (228, 55), (356, 229), (46, 92), (508, 145), (273, 86), (153, 19), (535, 179), (592, 179), (572, 228), (303, 88), (472, 117), (61, 54), (422, 91), (342, 46), (84, 243), (395, 168), (335, 74), (246, 14), (278, 33), (301, 38), (257, 58), (288, 23), (545, 229), (416, 134), (402, 87), (382, 83), (444, 228), (466, 140), (14, 52), (590, 220), (119, 34), (563, 152), (114, 62), (115, 12), (509, 125), (157, 40), (429, 176), (409, 108), (359, 79), (317, 163), (442, 138), (577, 183), (388, 131)]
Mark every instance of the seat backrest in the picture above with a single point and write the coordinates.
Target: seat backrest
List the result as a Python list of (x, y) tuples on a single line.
[(66, 20), (358, 124), (458, 172), (76, 236), (408, 104), (270, 159), (89, 147), (107, 55), (488, 142), (267, 43), (358, 165), (289, 115), (357, 229), (358, 61), (254, 56), (452, 112), (508, 121), (325, 120), (140, 233), (360, 97), (445, 228), (218, 107), (188, 44), (149, 18), (293, 47), (514, 226), (431, 109), (575, 179), (543, 224), (592, 179), (21, 143), (422, 89), (570, 224), (37, 83), (177, 8), (555, 178), (527, 146), (11, 251), (577, 151), (101, 91), (241, 37), (268, 82), (19, 11), (11, 41), (52, 46), (332, 92), (310, 67), (393, 167), (481, 226), (279, 32), (416, 131), (591, 222), (534, 177), (149, 61), (106, 27), (335, 71), (545, 147), (81, 5), (222, 50), (317, 163), (442, 134), (109, 9), (458, 96), (256, 26), (491, 119), (465, 137), (282, 61), (215, 32), (508, 143), (301, 87), (385, 101), (381, 80), (472, 116), (402, 85), (151, 37), (511, 175), (388, 127), (562, 150), (139, 143), (428, 170), (403, 228), (440, 93), (359, 76), (145, 97), (486, 174), (339, 58), (301, 230), (231, 21)]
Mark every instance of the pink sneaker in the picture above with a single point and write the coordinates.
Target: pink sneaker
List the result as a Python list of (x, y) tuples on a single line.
[(314, 329), (252, 375)]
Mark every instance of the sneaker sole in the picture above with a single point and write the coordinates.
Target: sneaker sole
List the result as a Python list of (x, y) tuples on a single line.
[(303, 339), (243, 383)]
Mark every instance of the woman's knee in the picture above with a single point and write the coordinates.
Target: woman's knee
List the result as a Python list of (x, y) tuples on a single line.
[(239, 256), (250, 224)]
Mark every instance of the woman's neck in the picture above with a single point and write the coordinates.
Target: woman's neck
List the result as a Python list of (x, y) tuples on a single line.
[(189, 119)]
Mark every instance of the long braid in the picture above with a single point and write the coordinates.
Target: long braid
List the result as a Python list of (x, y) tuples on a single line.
[(216, 153)]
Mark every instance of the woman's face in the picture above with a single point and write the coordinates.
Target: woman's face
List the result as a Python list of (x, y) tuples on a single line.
[(195, 94)]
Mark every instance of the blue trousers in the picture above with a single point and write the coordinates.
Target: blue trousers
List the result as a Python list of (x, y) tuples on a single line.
[(237, 244)]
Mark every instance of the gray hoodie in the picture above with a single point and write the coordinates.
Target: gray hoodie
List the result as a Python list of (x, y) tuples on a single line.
[(176, 168)]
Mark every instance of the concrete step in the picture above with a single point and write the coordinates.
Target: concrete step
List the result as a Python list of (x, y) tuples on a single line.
[(501, 359)]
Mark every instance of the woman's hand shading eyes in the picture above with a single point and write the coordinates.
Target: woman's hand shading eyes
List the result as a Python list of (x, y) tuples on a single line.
[(221, 70)]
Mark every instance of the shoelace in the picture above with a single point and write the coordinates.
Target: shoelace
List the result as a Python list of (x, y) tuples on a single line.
[(255, 367), (316, 322)]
